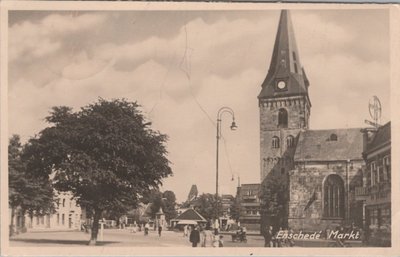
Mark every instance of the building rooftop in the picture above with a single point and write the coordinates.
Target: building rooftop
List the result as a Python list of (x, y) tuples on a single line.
[(381, 137), (329, 145), (190, 214), (285, 63)]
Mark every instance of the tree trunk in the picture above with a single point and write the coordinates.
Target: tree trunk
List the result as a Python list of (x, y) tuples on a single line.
[(95, 227), (31, 217), (11, 232), (23, 228)]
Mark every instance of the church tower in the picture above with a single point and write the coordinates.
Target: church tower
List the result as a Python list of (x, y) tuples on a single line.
[(283, 102)]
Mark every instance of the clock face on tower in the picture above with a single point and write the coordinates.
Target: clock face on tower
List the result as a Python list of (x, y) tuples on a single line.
[(281, 85)]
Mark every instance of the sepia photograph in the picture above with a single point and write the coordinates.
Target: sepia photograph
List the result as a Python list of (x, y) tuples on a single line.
[(192, 127)]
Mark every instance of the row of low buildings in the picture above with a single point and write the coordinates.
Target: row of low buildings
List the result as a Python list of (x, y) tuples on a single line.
[(67, 215)]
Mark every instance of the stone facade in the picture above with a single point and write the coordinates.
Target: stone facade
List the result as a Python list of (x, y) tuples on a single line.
[(306, 205), (280, 158)]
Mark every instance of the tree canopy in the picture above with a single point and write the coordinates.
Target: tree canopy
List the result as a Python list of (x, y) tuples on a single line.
[(273, 202), (206, 205), (27, 191), (166, 201), (106, 154)]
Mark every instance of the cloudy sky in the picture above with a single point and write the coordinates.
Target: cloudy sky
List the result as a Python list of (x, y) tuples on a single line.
[(182, 66)]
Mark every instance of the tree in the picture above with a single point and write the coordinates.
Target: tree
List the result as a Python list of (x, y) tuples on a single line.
[(206, 205), (27, 191), (169, 205), (273, 202), (105, 154), (166, 201), (236, 208)]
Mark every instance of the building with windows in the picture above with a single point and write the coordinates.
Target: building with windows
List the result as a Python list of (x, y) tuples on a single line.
[(319, 169), (67, 216), (249, 200), (375, 192)]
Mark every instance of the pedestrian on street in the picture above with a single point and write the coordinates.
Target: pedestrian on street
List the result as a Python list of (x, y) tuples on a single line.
[(146, 229), (207, 236), (159, 230), (221, 241), (215, 242), (194, 237), (268, 236), (185, 231), (291, 240)]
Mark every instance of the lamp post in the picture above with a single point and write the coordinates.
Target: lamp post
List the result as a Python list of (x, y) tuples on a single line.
[(233, 127)]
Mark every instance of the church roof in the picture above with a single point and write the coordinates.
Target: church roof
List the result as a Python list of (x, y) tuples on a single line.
[(381, 137), (190, 214), (320, 145), (285, 63)]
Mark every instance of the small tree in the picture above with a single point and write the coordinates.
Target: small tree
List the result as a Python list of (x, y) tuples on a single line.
[(207, 205), (273, 202), (106, 154), (166, 201), (169, 200), (236, 208)]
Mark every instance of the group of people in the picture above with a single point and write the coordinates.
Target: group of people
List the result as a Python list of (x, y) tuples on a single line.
[(205, 237), (271, 240)]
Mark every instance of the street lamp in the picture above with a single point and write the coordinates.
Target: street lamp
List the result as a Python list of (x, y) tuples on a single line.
[(233, 127)]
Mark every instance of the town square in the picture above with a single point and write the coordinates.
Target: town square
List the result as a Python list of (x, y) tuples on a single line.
[(199, 128)]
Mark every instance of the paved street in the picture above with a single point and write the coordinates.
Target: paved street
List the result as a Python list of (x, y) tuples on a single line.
[(114, 237)]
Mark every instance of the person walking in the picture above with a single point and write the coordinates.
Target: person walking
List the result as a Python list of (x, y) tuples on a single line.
[(194, 237), (268, 236), (146, 229), (159, 230), (221, 241), (207, 236), (185, 230)]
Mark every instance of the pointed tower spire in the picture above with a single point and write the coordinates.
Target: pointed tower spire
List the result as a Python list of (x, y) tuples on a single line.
[(285, 75)]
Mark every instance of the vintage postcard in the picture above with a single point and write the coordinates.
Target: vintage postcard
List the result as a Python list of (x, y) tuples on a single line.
[(199, 128)]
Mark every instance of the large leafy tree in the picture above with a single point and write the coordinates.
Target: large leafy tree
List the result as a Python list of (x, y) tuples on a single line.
[(106, 154), (28, 192)]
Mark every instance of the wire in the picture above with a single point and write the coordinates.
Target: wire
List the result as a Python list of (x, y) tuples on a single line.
[(185, 67)]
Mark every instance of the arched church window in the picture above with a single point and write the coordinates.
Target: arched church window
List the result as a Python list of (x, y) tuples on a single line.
[(334, 197), (290, 141), (275, 142), (282, 118), (333, 137)]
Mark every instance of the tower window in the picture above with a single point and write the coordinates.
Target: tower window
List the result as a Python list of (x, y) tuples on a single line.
[(275, 142), (282, 118), (333, 137), (334, 197), (294, 56), (290, 141), (295, 68)]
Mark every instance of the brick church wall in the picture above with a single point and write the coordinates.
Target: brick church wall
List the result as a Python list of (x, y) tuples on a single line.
[(306, 179)]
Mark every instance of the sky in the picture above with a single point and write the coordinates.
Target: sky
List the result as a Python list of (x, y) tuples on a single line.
[(182, 66)]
